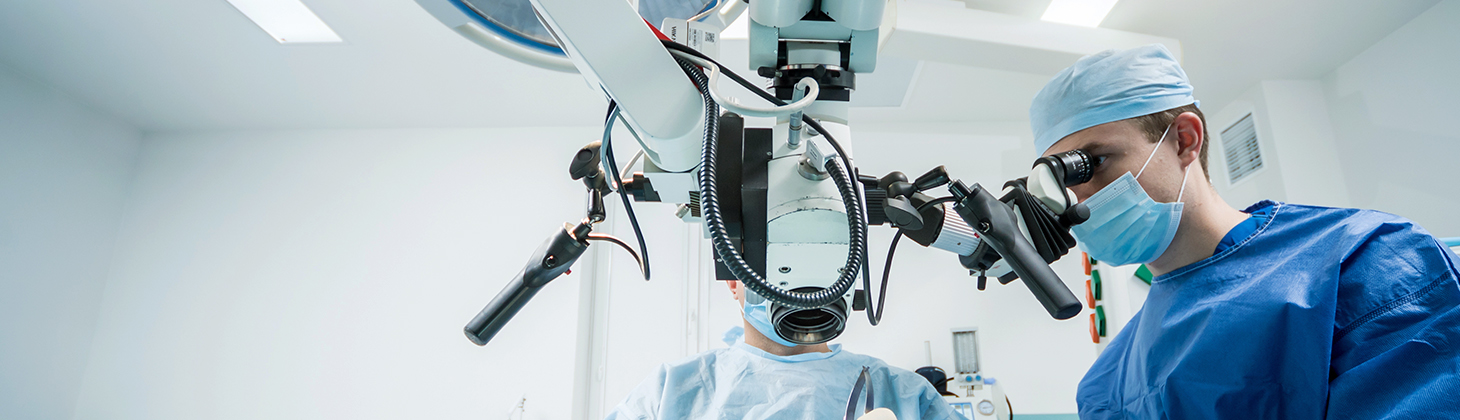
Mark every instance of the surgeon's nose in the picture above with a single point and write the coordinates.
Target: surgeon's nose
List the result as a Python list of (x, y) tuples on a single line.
[(1084, 191)]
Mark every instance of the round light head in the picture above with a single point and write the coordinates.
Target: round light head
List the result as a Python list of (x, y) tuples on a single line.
[(513, 28)]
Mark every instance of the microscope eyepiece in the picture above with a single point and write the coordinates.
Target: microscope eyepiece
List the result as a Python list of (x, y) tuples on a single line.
[(1074, 167)]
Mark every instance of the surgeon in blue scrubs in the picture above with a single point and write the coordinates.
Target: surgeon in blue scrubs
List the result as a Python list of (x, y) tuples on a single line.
[(764, 377), (1277, 311)]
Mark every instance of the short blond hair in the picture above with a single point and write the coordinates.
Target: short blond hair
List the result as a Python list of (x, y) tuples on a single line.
[(1154, 124)]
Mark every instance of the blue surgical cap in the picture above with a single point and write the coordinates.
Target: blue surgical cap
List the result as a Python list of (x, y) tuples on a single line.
[(1108, 86)]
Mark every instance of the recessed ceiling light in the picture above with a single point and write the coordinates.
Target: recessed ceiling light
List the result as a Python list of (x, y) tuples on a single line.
[(1078, 12), (288, 21)]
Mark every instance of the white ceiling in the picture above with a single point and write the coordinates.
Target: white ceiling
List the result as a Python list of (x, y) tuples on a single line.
[(169, 65), (200, 64), (1229, 45)]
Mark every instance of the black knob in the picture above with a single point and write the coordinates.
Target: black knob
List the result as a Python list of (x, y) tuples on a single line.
[(1075, 215), (890, 178), (900, 189), (585, 162), (902, 214)]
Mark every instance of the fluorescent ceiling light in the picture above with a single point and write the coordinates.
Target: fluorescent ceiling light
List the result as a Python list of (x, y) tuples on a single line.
[(288, 21), (1078, 12)]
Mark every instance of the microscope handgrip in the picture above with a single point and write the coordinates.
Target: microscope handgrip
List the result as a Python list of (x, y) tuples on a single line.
[(551, 260), (1041, 280), (995, 221)]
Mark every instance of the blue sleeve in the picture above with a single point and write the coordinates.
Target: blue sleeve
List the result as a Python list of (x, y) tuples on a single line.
[(1396, 343), (643, 402), (934, 407), (909, 395)]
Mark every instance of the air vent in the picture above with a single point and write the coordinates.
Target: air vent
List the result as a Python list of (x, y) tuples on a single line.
[(1244, 157), (965, 351)]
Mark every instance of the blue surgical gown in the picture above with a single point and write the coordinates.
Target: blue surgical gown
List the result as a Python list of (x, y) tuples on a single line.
[(1319, 313), (744, 382)]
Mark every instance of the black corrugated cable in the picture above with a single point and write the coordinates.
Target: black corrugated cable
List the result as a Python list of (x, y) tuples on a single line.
[(719, 234)]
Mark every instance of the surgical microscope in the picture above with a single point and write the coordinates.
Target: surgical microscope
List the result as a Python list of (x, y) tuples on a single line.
[(784, 206)]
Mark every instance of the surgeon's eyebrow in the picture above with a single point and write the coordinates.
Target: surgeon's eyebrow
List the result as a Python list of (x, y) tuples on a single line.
[(1095, 147)]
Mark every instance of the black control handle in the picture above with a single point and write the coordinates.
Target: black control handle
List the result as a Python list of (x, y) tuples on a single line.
[(553, 258), (996, 224)]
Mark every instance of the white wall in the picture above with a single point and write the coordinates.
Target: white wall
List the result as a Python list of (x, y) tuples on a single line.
[(648, 323), (1297, 143), (64, 170), (328, 274), (1305, 143), (1392, 108), (1370, 134), (1265, 183)]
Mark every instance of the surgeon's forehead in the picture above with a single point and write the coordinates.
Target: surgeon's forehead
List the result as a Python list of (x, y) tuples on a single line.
[(1096, 140)]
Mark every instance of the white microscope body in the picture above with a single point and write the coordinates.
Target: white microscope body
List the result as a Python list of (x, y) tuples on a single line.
[(806, 224)]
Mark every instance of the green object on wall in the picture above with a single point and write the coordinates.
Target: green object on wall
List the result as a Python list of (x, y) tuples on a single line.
[(1100, 319), (1144, 274)]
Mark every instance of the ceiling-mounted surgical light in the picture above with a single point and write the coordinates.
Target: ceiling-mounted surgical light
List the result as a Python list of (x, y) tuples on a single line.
[(512, 27), (1088, 13), (288, 21)]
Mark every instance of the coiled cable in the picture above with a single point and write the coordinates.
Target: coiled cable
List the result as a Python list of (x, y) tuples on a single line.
[(720, 235)]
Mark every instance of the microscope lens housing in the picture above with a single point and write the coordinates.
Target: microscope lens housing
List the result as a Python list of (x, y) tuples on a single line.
[(809, 326), (1074, 167)]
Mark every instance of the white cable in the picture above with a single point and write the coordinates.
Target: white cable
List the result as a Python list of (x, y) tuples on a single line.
[(629, 168), (708, 11), (728, 13), (733, 105)]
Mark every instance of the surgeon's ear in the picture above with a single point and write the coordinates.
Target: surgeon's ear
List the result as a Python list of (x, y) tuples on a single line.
[(1189, 137), (734, 288)]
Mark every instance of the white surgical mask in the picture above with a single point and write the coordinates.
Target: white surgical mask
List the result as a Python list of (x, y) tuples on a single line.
[(1126, 226)]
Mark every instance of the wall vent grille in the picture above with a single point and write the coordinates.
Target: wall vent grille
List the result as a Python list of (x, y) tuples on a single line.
[(1244, 156)]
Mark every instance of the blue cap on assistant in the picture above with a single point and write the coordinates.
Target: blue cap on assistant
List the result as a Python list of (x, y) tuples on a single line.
[(1108, 86)]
